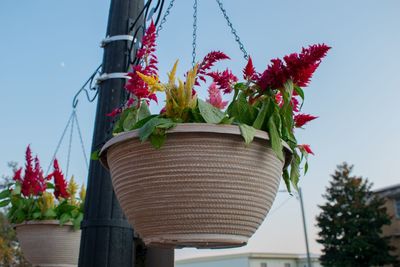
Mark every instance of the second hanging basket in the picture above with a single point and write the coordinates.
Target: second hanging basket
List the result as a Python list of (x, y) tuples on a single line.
[(204, 188)]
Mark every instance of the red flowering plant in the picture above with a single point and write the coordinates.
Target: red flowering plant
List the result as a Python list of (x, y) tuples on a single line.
[(34, 196), (270, 101)]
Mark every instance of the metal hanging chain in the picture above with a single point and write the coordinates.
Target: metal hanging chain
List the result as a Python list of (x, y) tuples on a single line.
[(60, 141), (164, 18), (194, 33), (81, 140), (70, 142), (233, 30)]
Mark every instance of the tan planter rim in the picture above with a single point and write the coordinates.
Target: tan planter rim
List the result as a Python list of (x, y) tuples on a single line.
[(192, 128), (42, 222)]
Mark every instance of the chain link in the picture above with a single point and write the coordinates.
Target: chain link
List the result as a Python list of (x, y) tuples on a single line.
[(81, 140), (194, 33), (233, 30), (70, 142), (164, 19)]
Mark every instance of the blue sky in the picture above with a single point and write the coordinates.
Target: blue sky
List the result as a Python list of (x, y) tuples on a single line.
[(49, 48)]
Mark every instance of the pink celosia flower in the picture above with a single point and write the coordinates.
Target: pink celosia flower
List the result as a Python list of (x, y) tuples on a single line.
[(215, 97)]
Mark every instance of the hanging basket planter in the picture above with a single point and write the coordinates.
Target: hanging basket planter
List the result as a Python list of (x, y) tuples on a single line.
[(203, 188), (47, 244)]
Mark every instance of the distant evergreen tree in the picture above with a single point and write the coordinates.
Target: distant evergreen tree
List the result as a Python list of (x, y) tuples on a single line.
[(351, 223)]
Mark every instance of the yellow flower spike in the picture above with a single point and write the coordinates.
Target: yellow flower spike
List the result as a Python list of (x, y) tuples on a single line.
[(179, 96), (72, 188), (171, 75), (82, 193), (46, 201), (152, 81)]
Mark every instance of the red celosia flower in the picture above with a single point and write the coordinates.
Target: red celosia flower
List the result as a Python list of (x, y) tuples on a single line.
[(33, 182), (249, 72), (17, 175), (294, 102), (301, 67), (163, 110), (208, 62), (274, 76), (301, 119), (224, 80), (306, 148), (145, 55), (148, 43), (114, 113), (215, 97), (297, 67), (60, 184)]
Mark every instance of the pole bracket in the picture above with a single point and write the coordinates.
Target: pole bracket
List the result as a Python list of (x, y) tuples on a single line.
[(114, 38), (114, 75)]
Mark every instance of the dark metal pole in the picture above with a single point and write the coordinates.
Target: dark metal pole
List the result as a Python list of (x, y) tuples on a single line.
[(305, 228), (107, 238)]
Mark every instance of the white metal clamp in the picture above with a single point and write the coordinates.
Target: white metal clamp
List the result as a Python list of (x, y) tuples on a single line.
[(114, 38), (115, 75)]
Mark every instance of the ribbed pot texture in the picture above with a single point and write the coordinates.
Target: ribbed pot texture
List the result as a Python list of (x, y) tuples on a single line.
[(47, 244), (204, 188)]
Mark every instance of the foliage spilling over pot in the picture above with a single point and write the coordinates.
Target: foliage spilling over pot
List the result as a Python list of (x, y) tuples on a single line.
[(34, 197), (270, 100)]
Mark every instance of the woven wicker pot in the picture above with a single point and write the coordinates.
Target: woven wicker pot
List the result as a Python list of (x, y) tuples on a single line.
[(204, 188), (47, 244)]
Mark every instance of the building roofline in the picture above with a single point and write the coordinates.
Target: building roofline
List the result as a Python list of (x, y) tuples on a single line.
[(388, 191), (264, 255)]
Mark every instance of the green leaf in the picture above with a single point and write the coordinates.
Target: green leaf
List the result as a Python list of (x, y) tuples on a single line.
[(295, 170), (150, 126), (143, 111), (289, 87), (240, 86), (195, 115), (4, 203), (49, 185), (286, 178), (77, 221), (247, 132), (130, 120), (299, 91), (142, 122), (227, 120), (267, 108), (36, 215), (95, 155), (64, 218), (306, 167), (5, 193), (50, 213), (210, 113), (242, 111), (19, 216), (158, 140), (276, 141), (17, 189), (74, 213), (119, 125)]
